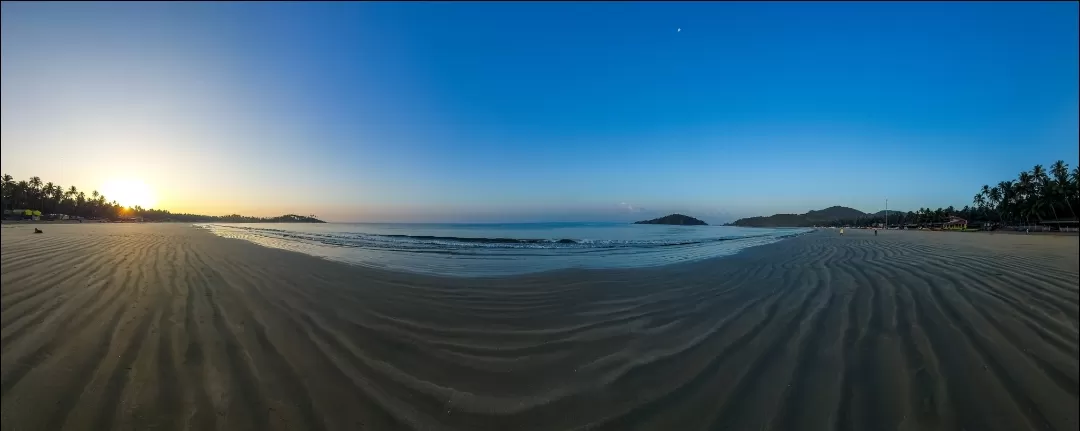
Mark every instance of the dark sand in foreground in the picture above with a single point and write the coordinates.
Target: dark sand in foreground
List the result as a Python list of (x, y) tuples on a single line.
[(169, 327)]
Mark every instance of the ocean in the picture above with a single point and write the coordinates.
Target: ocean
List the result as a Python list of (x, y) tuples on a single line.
[(502, 249)]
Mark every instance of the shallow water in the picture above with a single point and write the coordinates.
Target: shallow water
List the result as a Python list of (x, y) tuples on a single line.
[(503, 249)]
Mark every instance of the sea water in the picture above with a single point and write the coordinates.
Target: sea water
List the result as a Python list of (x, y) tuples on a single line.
[(502, 249)]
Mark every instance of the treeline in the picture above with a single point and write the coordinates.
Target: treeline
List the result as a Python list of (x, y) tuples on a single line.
[(162, 215), (51, 198), (1034, 196), (922, 217)]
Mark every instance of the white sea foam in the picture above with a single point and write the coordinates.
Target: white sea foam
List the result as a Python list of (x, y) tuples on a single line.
[(482, 250)]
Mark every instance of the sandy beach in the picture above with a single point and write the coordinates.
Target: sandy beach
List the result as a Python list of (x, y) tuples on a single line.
[(166, 326)]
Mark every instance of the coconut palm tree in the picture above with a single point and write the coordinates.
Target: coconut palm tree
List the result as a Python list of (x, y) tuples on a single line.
[(46, 191), (1060, 171), (1023, 187), (22, 194), (1005, 191), (980, 201), (92, 203), (7, 189), (80, 203), (1043, 192), (58, 196), (35, 190)]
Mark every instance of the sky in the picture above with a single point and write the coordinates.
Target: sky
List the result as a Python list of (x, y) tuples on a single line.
[(529, 111)]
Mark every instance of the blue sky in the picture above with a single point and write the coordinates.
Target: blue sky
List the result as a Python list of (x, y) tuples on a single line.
[(539, 111)]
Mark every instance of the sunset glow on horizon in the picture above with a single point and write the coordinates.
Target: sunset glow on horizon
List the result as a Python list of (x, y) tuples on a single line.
[(462, 112), (129, 193)]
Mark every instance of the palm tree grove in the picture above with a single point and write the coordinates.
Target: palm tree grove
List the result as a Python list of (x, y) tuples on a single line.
[(1034, 197), (49, 198)]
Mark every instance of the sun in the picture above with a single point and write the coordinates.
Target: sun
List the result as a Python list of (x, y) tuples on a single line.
[(129, 193)]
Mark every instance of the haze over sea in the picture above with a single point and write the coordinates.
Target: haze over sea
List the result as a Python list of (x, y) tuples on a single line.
[(503, 249)]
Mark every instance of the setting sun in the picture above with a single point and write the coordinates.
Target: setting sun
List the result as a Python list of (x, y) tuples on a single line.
[(129, 193)]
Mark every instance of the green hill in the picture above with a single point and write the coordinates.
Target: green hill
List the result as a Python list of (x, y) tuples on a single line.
[(674, 219), (810, 218)]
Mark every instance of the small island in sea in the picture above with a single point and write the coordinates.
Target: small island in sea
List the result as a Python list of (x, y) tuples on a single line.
[(675, 219)]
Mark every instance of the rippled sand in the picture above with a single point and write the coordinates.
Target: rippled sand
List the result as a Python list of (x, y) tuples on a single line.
[(170, 327)]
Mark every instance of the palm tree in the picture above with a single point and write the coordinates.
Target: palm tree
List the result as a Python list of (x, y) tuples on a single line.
[(80, 200), (93, 203), (1060, 171), (71, 193), (980, 201), (58, 195), (994, 196), (19, 192), (1023, 189), (986, 200), (1074, 188), (35, 189), (46, 192), (1009, 196), (6, 192), (1044, 191)]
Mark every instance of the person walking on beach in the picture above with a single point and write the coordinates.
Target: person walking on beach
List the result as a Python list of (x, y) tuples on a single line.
[(841, 231)]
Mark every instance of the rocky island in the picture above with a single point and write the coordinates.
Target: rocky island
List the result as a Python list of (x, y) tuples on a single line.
[(675, 219)]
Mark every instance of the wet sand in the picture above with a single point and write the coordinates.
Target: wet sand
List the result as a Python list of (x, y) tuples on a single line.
[(169, 327)]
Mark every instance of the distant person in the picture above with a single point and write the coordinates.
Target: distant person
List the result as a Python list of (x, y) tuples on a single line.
[(875, 231), (841, 231)]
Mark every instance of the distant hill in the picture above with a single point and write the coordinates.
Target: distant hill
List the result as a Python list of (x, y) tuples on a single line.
[(811, 218), (834, 213), (675, 219)]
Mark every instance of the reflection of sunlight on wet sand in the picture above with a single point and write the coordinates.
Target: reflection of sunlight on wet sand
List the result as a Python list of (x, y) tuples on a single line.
[(129, 193)]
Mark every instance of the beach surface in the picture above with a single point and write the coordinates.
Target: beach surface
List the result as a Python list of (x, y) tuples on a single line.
[(166, 326)]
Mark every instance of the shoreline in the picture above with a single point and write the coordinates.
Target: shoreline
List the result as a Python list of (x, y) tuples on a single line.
[(456, 254), (164, 325)]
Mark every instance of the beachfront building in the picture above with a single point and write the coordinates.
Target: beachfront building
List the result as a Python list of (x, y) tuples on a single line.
[(955, 223)]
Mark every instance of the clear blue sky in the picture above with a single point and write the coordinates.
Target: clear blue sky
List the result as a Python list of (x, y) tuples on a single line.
[(539, 111)]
